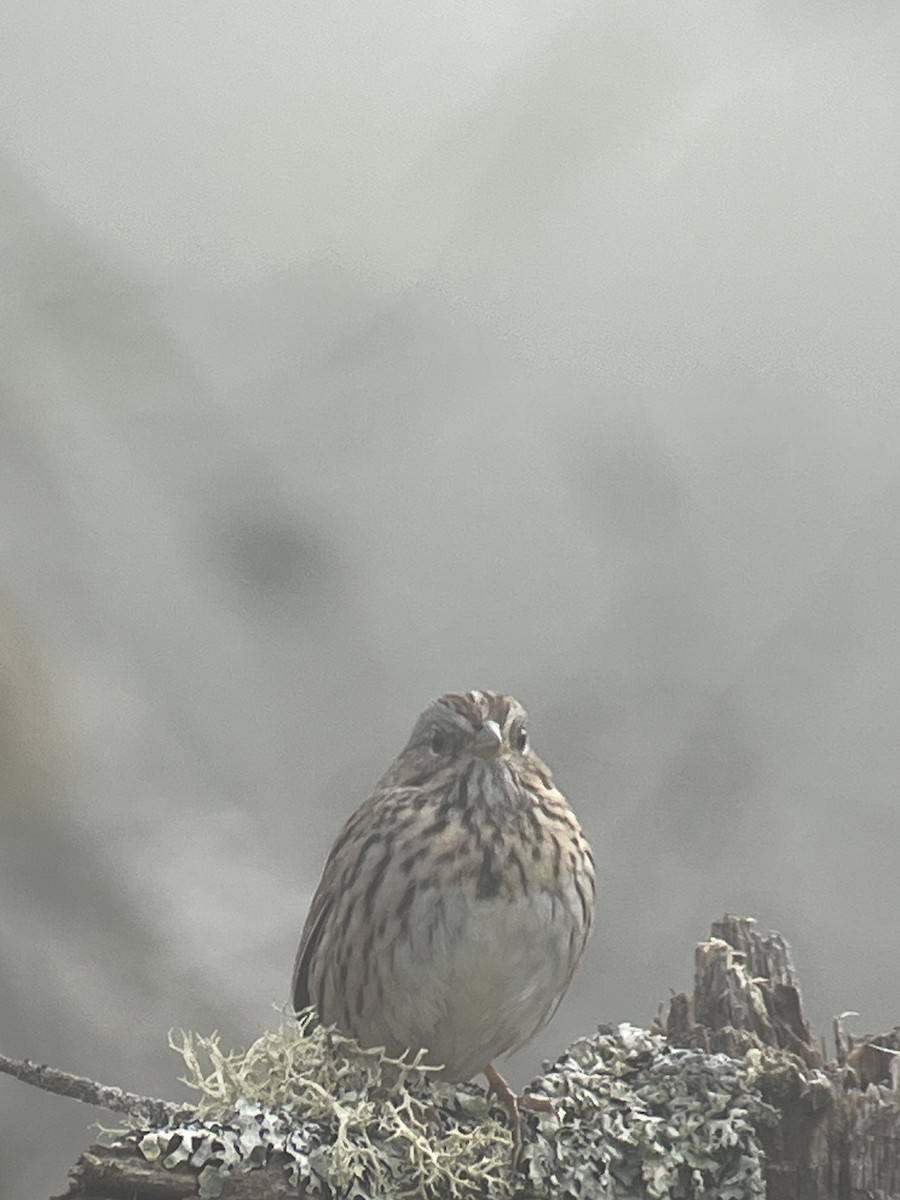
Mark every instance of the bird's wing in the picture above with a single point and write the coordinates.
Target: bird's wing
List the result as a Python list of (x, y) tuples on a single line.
[(345, 849), (306, 952)]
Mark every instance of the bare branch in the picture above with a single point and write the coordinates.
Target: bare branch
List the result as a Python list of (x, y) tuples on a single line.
[(142, 1111)]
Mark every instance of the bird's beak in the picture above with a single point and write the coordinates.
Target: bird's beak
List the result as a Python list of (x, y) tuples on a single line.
[(488, 740)]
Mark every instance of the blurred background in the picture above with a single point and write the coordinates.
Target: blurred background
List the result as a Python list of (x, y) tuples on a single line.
[(354, 355)]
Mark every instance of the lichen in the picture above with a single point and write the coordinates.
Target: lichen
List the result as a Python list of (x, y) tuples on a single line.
[(348, 1121), (637, 1119), (633, 1119)]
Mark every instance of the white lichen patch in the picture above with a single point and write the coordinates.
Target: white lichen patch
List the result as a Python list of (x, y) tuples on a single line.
[(637, 1119)]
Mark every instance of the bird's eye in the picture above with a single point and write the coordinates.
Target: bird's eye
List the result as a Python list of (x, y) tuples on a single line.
[(522, 740), (438, 741)]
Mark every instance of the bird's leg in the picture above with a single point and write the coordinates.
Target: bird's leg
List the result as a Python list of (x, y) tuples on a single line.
[(504, 1093), (514, 1104)]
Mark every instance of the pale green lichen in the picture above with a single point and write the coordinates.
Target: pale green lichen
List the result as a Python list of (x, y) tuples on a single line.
[(351, 1121), (633, 1119)]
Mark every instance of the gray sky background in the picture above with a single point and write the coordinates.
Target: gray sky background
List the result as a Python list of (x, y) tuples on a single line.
[(348, 357)]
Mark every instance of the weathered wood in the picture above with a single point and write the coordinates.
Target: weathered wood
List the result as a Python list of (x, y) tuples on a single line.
[(745, 996), (837, 1134), (120, 1172)]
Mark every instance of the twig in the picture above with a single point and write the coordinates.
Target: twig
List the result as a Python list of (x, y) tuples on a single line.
[(144, 1111)]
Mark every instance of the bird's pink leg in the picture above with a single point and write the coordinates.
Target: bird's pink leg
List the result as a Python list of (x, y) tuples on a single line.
[(514, 1104)]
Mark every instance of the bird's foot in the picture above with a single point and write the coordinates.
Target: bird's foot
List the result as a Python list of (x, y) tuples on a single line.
[(514, 1104)]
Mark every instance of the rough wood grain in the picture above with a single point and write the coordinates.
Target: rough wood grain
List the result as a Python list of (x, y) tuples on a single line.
[(120, 1173), (838, 1136)]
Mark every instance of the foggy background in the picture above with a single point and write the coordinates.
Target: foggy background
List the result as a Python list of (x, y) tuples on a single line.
[(351, 355)]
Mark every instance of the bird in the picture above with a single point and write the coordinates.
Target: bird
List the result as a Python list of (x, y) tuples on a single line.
[(456, 902)]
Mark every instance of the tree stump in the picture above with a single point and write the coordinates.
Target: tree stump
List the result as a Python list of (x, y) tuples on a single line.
[(838, 1133), (825, 1129)]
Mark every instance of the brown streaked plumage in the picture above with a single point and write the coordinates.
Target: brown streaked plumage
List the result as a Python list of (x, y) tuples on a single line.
[(456, 901)]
